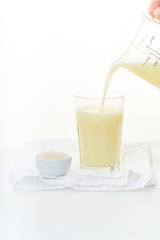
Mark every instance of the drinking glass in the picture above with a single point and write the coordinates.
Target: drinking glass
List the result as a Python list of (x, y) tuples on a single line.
[(99, 131)]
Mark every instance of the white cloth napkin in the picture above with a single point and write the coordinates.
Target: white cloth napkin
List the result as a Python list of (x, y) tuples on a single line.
[(135, 171)]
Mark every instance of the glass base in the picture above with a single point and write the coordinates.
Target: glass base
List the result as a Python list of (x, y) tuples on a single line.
[(98, 170)]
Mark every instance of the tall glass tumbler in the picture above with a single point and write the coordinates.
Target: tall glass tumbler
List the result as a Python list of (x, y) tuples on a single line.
[(99, 131)]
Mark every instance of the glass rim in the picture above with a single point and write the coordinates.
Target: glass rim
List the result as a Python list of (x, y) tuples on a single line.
[(112, 95)]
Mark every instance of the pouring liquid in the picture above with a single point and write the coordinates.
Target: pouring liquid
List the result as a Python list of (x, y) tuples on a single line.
[(150, 73), (99, 127), (109, 76)]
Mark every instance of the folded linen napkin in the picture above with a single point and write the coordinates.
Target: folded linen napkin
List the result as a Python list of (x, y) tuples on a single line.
[(135, 171)]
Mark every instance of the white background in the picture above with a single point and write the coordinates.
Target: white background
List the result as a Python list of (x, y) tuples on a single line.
[(51, 49)]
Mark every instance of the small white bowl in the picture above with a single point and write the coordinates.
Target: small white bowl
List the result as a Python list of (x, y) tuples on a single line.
[(53, 164)]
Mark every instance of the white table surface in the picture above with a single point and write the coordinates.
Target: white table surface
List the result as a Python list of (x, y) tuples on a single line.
[(63, 214)]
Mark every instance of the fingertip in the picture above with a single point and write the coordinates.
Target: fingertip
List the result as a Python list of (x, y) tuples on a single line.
[(151, 14), (156, 13)]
